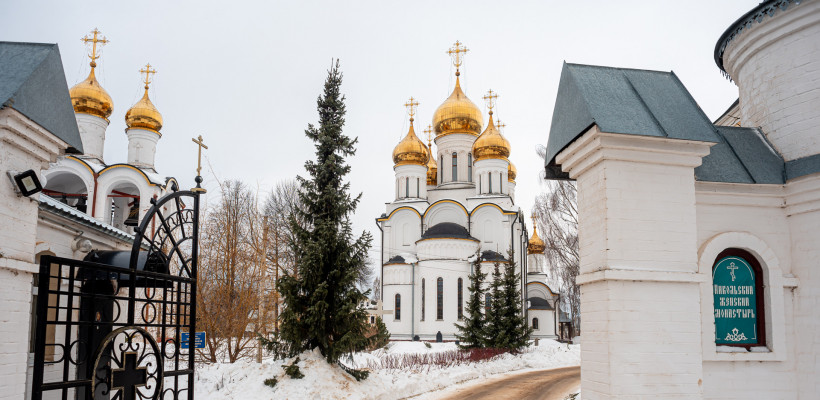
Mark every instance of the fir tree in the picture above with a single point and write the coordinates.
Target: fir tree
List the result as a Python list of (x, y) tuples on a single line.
[(514, 333), (321, 299), (471, 333), (493, 325)]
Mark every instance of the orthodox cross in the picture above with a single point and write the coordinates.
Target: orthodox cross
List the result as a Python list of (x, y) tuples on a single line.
[(94, 40), (429, 132), (732, 267), (129, 377), (456, 52), (534, 224), (201, 145), (411, 105), (500, 125), (489, 98), (148, 71)]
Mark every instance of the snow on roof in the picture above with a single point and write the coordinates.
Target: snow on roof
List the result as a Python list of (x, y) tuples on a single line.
[(53, 206)]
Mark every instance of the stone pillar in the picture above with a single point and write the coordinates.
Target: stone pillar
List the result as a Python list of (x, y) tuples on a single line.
[(640, 299)]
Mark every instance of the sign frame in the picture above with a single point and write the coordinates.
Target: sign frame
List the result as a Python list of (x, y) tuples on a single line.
[(198, 343), (759, 296)]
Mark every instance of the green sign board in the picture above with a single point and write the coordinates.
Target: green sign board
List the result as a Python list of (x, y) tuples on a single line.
[(733, 284)]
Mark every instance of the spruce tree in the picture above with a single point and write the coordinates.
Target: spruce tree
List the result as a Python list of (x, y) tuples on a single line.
[(471, 333), (514, 333), (321, 300), (493, 325)]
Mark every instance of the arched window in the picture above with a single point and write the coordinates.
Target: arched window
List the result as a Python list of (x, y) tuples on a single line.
[(418, 185), (490, 182), (422, 299), (737, 286), (406, 187), (460, 299), (439, 298), (455, 167), (397, 310), (486, 303), (470, 167), (441, 169), (535, 324)]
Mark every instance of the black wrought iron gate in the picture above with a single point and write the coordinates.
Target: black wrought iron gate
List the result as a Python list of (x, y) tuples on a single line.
[(113, 332)]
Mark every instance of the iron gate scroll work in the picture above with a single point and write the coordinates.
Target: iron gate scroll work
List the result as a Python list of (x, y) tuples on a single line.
[(109, 332)]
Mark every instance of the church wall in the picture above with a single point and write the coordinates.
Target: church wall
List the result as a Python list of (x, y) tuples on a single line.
[(445, 211), (546, 323), (776, 65), (449, 271), (92, 132)]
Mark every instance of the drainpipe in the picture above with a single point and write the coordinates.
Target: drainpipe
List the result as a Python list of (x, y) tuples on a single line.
[(413, 300), (381, 262), (94, 198)]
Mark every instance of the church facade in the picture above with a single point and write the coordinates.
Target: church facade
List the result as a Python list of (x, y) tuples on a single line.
[(698, 238), (453, 206), (86, 203)]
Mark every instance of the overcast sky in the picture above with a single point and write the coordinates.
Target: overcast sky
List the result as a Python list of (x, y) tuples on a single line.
[(245, 75)]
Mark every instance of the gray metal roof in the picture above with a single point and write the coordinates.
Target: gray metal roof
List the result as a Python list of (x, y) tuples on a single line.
[(537, 303), (32, 82), (55, 207), (654, 103), (446, 230)]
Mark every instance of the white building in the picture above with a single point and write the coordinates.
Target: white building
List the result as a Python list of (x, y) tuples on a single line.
[(450, 205), (698, 240), (85, 203)]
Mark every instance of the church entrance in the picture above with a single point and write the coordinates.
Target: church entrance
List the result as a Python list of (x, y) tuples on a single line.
[(111, 326)]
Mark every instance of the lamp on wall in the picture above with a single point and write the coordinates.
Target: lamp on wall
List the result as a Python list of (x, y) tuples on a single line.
[(26, 183)]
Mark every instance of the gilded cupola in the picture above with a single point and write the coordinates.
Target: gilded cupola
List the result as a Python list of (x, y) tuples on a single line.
[(491, 144), (457, 114), (143, 114), (511, 173), (432, 166), (411, 150), (88, 97), (535, 245)]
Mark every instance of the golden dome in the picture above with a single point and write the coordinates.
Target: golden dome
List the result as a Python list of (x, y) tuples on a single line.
[(432, 166), (457, 114), (88, 97), (491, 144), (535, 245), (511, 173), (144, 115), (410, 150)]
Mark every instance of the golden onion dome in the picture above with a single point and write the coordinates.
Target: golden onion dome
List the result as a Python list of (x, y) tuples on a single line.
[(88, 97), (432, 166), (410, 150), (535, 245), (491, 144), (144, 115), (457, 114), (511, 173)]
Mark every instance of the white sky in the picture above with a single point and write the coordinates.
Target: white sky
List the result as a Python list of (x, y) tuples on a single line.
[(245, 75)]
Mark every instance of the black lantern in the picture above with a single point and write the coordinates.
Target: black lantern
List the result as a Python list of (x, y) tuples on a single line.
[(27, 182)]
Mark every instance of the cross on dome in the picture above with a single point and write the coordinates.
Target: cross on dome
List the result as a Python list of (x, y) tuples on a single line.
[(489, 98), (456, 53), (94, 40), (429, 133), (411, 105), (500, 126), (147, 71)]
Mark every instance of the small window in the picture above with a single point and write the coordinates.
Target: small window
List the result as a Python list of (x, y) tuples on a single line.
[(418, 185), (487, 301), (737, 286), (535, 324), (470, 167), (422, 299), (460, 299), (397, 310), (440, 298), (406, 187), (455, 166), (441, 169), (490, 182)]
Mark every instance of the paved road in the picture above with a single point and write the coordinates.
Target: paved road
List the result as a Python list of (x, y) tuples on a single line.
[(554, 384)]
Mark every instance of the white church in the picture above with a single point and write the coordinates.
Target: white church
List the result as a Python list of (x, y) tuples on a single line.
[(450, 206), (86, 203), (699, 239)]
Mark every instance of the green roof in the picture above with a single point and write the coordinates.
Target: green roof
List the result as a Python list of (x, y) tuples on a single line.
[(654, 103), (32, 82)]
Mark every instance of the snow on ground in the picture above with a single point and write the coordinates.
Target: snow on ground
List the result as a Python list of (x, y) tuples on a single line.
[(244, 379)]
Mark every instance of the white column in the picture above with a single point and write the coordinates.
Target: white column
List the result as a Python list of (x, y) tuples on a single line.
[(142, 147), (641, 332)]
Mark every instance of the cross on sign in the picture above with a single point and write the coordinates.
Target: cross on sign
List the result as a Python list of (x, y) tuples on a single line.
[(732, 267), (129, 377)]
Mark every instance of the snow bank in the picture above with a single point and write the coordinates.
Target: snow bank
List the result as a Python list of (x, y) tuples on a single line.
[(244, 380)]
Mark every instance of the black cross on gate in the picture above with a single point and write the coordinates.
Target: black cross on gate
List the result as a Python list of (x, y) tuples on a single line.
[(129, 377)]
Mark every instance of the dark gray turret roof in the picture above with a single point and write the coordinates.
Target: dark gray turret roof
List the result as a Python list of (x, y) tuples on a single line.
[(655, 103), (446, 230), (32, 82)]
